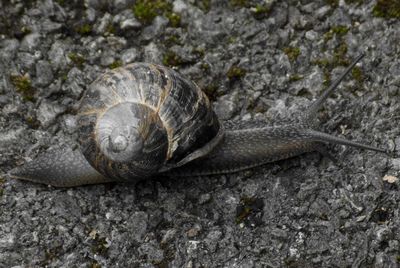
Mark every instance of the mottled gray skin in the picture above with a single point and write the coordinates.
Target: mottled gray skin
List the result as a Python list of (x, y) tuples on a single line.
[(233, 151)]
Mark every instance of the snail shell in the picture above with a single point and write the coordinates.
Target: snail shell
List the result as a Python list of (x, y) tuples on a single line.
[(143, 118)]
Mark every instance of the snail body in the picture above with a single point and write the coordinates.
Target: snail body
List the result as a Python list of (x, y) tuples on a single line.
[(143, 119)]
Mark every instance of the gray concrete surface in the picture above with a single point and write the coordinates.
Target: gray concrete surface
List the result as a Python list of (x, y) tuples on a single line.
[(254, 63)]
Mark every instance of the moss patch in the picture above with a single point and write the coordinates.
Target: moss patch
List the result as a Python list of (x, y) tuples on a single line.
[(204, 5), (171, 59), (357, 74), (115, 64), (1, 186), (100, 245), (211, 91), (333, 3), (235, 73), (77, 59), (23, 85), (349, 2), (292, 52), (260, 11), (249, 211), (295, 77), (174, 19), (387, 9), (339, 31), (146, 10), (239, 3), (340, 58), (84, 29)]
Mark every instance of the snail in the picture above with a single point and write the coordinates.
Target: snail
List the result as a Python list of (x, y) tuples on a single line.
[(144, 119)]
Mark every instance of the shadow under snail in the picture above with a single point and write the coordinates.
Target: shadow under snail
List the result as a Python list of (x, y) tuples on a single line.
[(143, 119)]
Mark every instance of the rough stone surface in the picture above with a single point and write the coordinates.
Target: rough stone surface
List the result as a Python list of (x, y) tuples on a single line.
[(300, 212)]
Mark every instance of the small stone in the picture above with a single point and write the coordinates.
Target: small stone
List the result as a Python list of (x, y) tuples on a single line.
[(360, 218), (70, 124), (152, 53), (169, 236), (74, 83), (57, 55), (122, 4), (151, 253), (44, 74), (49, 26), (130, 55), (105, 22), (204, 198), (48, 111), (27, 61), (8, 49), (193, 232), (225, 107), (390, 178), (320, 13), (30, 42), (179, 6), (311, 35), (155, 29), (130, 24), (396, 163)]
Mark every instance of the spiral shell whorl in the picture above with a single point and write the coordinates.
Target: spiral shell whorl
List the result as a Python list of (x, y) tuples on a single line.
[(171, 104)]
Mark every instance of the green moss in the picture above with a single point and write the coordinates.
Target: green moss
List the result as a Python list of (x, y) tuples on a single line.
[(115, 64), (100, 245), (339, 31), (323, 63), (172, 40), (333, 3), (146, 10), (110, 29), (295, 77), (77, 59), (327, 78), (340, 58), (171, 59), (32, 122), (204, 5), (387, 9), (249, 211), (357, 74), (292, 52), (245, 209), (211, 91), (260, 11), (235, 73), (239, 3), (1, 186), (174, 19), (26, 30), (357, 2), (199, 52), (205, 66), (95, 264), (23, 85), (84, 29)]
